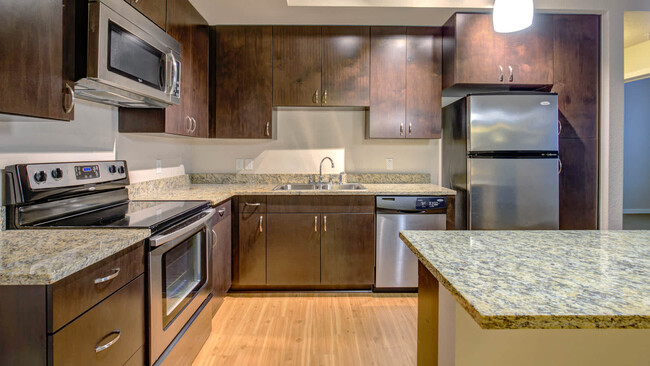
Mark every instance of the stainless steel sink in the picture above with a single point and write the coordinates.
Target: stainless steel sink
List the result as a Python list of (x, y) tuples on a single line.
[(320, 186)]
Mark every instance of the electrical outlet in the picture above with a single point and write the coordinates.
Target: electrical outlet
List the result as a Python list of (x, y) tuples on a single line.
[(239, 164), (249, 164), (389, 164), (158, 166)]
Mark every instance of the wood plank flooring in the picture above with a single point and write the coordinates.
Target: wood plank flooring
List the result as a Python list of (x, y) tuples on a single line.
[(313, 329)]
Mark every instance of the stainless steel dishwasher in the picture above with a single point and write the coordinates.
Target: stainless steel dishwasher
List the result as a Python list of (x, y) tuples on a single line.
[(396, 265)]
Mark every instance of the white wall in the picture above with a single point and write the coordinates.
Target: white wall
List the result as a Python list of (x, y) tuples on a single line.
[(302, 137), (91, 136), (637, 61), (636, 179)]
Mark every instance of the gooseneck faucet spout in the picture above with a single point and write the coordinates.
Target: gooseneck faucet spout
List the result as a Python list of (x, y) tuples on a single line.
[(320, 171)]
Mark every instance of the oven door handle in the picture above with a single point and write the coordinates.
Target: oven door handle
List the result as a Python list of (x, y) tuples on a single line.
[(159, 240)]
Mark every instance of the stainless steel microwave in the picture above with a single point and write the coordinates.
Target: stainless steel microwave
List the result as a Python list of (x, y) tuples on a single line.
[(124, 59)]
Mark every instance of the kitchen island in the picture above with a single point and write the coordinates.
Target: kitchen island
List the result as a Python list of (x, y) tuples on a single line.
[(533, 297)]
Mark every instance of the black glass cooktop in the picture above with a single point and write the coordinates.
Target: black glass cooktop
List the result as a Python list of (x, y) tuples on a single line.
[(154, 215)]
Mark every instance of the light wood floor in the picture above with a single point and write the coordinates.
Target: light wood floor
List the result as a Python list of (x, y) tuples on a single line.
[(313, 329)]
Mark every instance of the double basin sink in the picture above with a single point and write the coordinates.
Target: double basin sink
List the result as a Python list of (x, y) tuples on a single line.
[(320, 187)]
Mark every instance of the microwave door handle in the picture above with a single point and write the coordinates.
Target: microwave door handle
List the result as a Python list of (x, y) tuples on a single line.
[(172, 73), (161, 239)]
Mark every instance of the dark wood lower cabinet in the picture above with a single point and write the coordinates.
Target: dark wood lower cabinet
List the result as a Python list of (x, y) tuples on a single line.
[(221, 255), (348, 249), (293, 249), (250, 266), (579, 184)]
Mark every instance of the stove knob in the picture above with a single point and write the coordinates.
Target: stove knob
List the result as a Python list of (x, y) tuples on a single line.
[(57, 173), (112, 169), (40, 177), (120, 170)]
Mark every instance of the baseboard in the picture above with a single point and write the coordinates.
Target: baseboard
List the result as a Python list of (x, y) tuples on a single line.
[(631, 211)]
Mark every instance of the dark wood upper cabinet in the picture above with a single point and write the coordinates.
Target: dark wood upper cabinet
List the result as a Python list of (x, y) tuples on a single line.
[(348, 249), (423, 82), (293, 250), (387, 82), (241, 82), (577, 73), (190, 117), (296, 65), (345, 66), (477, 56), (37, 58), (155, 10), (405, 83)]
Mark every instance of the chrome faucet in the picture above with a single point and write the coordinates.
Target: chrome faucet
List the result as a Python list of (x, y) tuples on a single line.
[(320, 172)]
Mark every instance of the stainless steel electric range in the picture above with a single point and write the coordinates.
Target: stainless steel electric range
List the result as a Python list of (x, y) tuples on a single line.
[(94, 195)]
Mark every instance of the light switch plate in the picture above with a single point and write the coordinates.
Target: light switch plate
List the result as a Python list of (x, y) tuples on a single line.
[(158, 166), (239, 164), (389, 164), (249, 164)]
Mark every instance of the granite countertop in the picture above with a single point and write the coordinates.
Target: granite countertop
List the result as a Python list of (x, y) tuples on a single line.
[(42, 257), (220, 192), (542, 279)]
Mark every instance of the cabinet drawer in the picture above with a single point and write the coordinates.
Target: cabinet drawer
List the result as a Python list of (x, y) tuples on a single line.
[(250, 204), (118, 321), (293, 204), (348, 204), (77, 293)]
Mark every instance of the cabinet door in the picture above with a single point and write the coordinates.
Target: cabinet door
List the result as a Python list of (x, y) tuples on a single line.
[(346, 66), (423, 82), (477, 51), (296, 66), (387, 82), (577, 73), (348, 249), (251, 258), (530, 53), (199, 70), (222, 259), (579, 184), (293, 249), (155, 10), (37, 58), (242, 82), (178, 117)]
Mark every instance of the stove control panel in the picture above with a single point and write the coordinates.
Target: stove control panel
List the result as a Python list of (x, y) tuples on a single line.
[(61, 175)]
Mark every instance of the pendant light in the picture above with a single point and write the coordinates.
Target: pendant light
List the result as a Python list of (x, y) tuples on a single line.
[(512, 15)]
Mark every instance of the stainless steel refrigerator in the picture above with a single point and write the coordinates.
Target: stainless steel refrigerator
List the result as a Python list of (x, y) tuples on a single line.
[(500, 153)]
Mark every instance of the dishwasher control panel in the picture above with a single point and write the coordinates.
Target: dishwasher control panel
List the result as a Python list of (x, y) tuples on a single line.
[(427, 203)]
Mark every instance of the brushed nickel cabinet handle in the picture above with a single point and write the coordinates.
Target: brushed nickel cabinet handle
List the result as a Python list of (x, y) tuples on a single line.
[(501, 75), (69, 90), (512, 74), (316, 99), (112, 342), (268, 129), (214, 237), (188, 124), (410, 127), (559, 127), (559, 163), (252, 204), (116, 271), (325, 96), (401, 129), (221, 211), (315, 224), (324, 223), (261, 219)]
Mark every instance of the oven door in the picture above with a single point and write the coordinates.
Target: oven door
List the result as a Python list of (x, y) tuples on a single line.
[(179, 278), (127, 52)]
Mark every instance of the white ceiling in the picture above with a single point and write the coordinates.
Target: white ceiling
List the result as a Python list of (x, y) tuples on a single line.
[(636, 28)]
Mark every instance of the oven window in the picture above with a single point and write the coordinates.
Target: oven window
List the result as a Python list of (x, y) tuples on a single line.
[(135, 59), (183, 274)]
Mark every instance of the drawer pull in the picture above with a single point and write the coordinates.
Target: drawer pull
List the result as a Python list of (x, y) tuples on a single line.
[(221, 211), (261, 219), (110, 343), (107, 278), (252, 204)]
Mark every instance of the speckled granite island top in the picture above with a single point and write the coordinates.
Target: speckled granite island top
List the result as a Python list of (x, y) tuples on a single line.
[(542, 279), (221, 192), (42, 257)]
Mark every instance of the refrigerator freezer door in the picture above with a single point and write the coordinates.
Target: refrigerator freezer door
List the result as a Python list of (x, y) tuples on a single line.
[(517, 122), (513, 194)]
